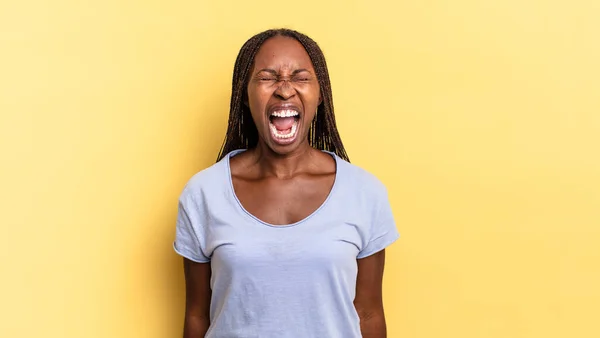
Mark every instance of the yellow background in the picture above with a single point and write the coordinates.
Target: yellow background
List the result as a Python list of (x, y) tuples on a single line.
[(481, 117)]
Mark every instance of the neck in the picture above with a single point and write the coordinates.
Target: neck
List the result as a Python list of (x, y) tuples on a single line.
[(282, 166)]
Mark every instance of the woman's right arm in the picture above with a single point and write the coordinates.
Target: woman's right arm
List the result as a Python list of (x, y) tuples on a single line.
[(197, 299)]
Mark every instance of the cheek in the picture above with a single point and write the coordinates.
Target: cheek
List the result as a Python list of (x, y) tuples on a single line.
[(260, 90), (309, 91), (257, 99), (311, 97)]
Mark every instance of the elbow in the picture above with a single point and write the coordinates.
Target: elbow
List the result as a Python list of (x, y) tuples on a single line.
[(369, 310), (371, 316)]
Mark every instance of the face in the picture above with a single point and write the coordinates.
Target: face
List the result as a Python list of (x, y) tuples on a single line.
[(283, 94)]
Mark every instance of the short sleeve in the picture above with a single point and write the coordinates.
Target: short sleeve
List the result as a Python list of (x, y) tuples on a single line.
[(383, 231), (188, 234)]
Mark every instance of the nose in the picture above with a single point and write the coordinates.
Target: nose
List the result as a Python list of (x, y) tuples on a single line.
[(285, 90)]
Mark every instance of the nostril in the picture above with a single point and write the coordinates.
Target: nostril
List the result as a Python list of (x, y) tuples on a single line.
[(284, 92)]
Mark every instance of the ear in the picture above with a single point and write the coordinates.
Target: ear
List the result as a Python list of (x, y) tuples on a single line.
[(320, 99)]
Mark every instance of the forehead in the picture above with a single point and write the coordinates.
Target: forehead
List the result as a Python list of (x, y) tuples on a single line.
[(280, 53)]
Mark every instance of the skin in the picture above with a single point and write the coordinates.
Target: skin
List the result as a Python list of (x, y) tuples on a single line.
[(283, 184)]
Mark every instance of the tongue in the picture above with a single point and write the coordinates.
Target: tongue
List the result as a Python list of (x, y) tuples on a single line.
[(283, 123)]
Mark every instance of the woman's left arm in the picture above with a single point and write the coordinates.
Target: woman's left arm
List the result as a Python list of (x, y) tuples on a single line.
[(369, 299)]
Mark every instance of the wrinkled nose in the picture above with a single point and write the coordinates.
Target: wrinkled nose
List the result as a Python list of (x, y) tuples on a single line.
[(285, 90)]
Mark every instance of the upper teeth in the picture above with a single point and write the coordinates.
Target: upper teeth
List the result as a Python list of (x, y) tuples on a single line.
[(285, 113)]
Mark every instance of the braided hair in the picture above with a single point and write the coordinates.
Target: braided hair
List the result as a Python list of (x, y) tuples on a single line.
[(241, 130)]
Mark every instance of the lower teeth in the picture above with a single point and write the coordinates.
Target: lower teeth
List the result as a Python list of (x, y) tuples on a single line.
[(279, 135)]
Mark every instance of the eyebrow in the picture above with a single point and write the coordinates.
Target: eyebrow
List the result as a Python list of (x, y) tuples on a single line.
[(274, 72)]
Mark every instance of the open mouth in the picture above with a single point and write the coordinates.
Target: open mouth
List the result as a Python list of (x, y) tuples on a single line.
[(284, 125)]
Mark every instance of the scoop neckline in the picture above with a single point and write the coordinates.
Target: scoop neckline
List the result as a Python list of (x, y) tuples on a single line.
[(282, 226)]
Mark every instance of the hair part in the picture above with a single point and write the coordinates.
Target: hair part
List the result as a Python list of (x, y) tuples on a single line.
[(241, 130)]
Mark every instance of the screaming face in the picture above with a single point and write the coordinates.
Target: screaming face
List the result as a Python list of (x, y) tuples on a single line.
[(283, 95)]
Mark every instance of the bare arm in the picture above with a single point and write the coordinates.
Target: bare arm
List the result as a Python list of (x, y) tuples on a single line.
[(197, 299), (369, 299)]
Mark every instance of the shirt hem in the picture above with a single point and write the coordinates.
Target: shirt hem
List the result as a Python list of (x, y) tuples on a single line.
[(189, 256), (384, 245)]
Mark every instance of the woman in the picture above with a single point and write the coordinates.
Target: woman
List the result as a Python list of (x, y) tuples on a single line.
[(283, 237)]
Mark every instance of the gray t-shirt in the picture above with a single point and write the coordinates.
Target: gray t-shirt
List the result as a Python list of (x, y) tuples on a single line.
[(283, 281)]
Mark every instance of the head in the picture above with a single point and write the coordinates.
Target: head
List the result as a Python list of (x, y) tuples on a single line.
[(281, 96)]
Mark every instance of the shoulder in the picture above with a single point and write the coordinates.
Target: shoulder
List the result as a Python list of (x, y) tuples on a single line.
[(210, 179), (364, 198), (356, 177)]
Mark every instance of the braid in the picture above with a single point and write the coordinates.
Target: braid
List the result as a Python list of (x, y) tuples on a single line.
[(241, 130)]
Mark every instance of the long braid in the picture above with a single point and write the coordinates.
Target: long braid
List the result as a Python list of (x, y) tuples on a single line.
[(241, 130)]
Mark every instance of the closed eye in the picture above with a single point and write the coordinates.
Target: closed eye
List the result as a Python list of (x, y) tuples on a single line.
[(302, 78), (266, 75)]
